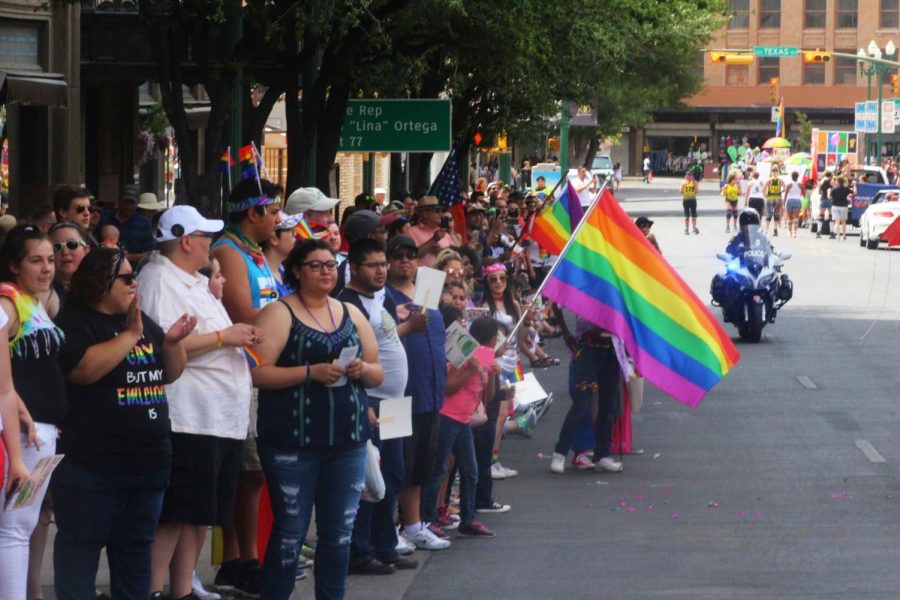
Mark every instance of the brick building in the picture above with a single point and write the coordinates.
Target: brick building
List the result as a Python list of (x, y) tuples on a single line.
[(735, 100)]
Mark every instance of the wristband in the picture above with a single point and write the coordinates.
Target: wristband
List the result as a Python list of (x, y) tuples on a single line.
[(218, 339), (308, 374)]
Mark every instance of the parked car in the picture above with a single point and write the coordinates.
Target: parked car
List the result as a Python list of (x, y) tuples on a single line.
[(881, 212), (861, 174), (602, 166)]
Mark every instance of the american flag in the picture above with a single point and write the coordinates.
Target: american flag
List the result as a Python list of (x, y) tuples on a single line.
[(446, 188)]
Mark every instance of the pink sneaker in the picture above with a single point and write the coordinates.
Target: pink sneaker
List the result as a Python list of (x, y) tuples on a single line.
[(582, 461), (475, 529)]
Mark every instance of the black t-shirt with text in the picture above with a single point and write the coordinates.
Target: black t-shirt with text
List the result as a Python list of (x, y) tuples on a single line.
[(119, 423)]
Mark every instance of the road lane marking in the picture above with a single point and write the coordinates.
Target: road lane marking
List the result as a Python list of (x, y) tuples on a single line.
[(807, 382), (869, 450)]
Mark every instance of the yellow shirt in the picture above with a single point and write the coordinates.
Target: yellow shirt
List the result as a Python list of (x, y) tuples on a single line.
[(689, 190), (773, 189), (732, 191)]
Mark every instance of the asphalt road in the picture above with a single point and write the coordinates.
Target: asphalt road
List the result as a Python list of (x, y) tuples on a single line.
[(782, 484)]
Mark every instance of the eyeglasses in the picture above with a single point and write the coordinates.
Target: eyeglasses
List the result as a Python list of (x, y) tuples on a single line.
[(374, 265), (70, 245), (319, 265), (82, 209), (404, 256), (127, 278), (497, 279)]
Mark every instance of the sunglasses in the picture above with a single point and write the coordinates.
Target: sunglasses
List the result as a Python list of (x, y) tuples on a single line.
[(70, 245), (319, 265), (82, 209), (404, 256), (452, 271), (497, 279), (120, 258), (127, 278)]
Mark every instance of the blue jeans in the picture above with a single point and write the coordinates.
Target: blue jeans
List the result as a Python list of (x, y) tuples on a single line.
[(332, 480), (454, 437), (592, 367), (373, 530), (97, 510)]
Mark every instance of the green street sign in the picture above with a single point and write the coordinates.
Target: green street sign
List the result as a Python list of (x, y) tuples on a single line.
[(775, 51), (396, 126)]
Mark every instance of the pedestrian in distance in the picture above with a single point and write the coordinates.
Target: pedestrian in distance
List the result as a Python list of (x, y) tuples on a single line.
[(825, 206), (774, 200), (841, 197), (730, 191), (689, 189), (793, 203)]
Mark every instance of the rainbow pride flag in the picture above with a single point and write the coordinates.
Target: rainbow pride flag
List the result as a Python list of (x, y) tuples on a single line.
[(554, 225), (519, 373), (304, 231), (247, 158), (225, 162), (612, 276)]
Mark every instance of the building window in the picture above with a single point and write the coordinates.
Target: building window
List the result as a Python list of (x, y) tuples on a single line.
[(740, 14), (814, 14), (845, 69), (20, 45), (814, 74), (889, 15), (847, 14), (768, 68), (737, 74), (769, 14)]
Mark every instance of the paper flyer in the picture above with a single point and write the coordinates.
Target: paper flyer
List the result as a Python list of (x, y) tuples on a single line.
[(345, 358), (395, 418), (429, 285), (30, 489), (459, 345)]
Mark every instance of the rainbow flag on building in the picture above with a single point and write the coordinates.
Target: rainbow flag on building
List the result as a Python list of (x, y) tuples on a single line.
[(613, 277), (554, 225)]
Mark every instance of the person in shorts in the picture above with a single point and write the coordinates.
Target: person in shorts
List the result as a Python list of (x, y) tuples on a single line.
[(730, 191), (774, 200), (825, 203), (209, 406), (793, 202), (689, 190), (841, 196)]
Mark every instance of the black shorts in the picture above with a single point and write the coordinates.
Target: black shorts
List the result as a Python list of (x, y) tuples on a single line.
[(204, 480), (419, 448), (690, 208)]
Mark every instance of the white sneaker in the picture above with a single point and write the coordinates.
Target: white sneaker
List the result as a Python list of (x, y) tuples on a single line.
[(608, 464), (497, 471), (404, 546), (505, 470), (426, 540), (200, 591), (558, 463)]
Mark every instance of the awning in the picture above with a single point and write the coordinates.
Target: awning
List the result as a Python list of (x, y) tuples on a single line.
[(39, 89)]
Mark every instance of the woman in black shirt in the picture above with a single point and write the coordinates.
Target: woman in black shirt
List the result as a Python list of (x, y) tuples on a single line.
[(108, 491)]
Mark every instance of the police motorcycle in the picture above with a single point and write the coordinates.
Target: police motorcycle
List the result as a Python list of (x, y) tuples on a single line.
[(753, 288)]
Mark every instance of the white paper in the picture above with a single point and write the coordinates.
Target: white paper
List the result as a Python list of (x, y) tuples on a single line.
[(29, 489), (429, 285), (345, 358), (459, 345), (529, 390), (395, 418)]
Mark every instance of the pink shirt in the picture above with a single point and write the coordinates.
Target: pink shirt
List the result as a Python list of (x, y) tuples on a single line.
[(461, 405), (421, 234)]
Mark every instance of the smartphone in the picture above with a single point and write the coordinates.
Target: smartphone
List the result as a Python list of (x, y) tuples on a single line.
[(445, 222)]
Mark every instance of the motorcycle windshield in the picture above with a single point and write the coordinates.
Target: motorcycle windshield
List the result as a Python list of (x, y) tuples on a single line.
[(756, 249)]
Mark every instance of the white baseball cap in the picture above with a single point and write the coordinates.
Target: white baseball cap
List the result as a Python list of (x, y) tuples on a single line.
[(183, 220), (308, 198)]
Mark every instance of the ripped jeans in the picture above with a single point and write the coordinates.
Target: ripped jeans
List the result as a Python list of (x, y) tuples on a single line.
[(332, 480)]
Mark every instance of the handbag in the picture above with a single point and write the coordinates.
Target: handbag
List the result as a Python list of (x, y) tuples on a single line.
[(636, 393), (479, 417), (374, 491)]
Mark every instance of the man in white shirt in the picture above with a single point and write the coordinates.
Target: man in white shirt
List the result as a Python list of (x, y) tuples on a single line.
[(583, 183), (209, 405), (646, 169)]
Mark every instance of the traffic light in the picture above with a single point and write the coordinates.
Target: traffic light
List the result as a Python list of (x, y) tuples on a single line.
[(477, 138), (895, 84), (773, 90), (731, 58), (816, 56)]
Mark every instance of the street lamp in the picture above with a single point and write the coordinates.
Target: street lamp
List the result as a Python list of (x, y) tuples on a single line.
[(869, 65)]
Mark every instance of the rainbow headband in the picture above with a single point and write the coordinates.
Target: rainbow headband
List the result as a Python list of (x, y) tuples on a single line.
[(248, 203)]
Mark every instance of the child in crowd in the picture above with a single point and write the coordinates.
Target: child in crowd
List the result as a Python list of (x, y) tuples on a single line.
[(467, 386), (109, 236)]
